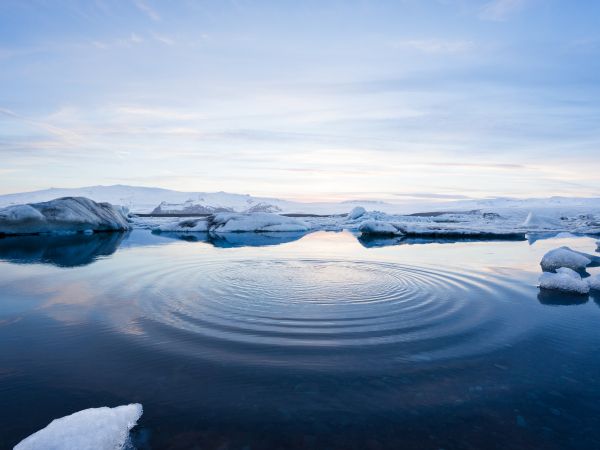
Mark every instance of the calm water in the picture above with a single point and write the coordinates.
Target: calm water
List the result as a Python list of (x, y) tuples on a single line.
[(284, 341)]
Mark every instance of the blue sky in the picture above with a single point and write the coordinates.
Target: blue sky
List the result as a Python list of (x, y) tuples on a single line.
[(311, 100)]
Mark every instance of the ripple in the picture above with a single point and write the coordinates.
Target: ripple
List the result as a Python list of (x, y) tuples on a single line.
[(410, 313)]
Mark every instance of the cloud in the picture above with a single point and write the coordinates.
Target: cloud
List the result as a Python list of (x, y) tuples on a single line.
[(435, 45), (146, 9), (499, 10), (427, 195)]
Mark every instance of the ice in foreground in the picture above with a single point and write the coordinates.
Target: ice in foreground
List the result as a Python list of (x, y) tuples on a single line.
[(594, 282), (565, 257), (91, 429), (68, 214), (564, 280)]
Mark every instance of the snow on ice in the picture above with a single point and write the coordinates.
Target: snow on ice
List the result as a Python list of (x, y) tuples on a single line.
[(68, 214), (91, 429), (565, 257), (564, 280)]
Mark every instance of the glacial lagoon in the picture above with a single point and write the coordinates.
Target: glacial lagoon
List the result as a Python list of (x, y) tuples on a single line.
[(292, 340)]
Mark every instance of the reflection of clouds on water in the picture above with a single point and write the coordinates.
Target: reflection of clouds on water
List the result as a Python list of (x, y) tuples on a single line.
[(59, 250)]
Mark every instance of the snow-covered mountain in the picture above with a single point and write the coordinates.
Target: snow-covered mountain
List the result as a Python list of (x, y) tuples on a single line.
[(148, 199), (158, 200)]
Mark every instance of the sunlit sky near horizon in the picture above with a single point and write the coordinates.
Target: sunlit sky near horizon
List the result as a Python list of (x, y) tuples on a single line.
[(308, 100)]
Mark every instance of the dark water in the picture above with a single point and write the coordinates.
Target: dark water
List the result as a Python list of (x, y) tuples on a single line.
[(283, 341)]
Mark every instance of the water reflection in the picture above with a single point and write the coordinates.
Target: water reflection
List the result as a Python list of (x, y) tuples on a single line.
[(59, 250), (233, 240), (557, 298), (385, 241)]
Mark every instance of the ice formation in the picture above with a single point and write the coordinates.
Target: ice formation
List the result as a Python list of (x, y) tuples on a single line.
[(539, 222), (594, 282), (68, 214), (564, 280), (565, 257), (186, 225), (257, 222), (91, 429), (356, 212)]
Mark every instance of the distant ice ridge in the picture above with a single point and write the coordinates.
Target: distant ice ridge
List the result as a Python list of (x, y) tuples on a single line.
[(564, 280), (443, 224), (63, 215), (91, 429), (237, 223)]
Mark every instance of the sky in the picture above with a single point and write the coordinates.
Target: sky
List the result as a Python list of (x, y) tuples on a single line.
[(311, 100)]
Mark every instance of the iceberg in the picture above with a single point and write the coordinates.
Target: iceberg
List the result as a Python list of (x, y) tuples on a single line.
[(381, 228), (255, 222), (356, 212), (538, 222), (91, 429), (185, 226), (62, 215), (594, 282), (565, 257), (564, 280)]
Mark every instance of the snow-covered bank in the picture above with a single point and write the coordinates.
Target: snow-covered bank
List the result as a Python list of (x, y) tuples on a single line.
[(68, 214), (91, 429)]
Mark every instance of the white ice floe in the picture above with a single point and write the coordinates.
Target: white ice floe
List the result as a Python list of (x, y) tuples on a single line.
[(185, 226), (69, 214), (564, 257), (539, 222), (380, 227), (255, 222), (91, 429), (564, 280), (598, 246), (594, 282), (356, 212)]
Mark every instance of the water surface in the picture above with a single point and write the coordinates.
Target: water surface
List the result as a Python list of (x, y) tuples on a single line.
[(253, 341)]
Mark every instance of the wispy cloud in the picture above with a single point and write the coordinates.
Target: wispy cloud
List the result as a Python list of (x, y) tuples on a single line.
[(447, 46), (147, 9), (499, 10)]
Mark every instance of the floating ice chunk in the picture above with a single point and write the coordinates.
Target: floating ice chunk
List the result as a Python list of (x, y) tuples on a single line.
[(68, 214), (187, 225), (594, 282), (357, 211), (564, 257), (535, 221), (598, 246), (91, 429), (564, 280), (380, 227), (257, 222)]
